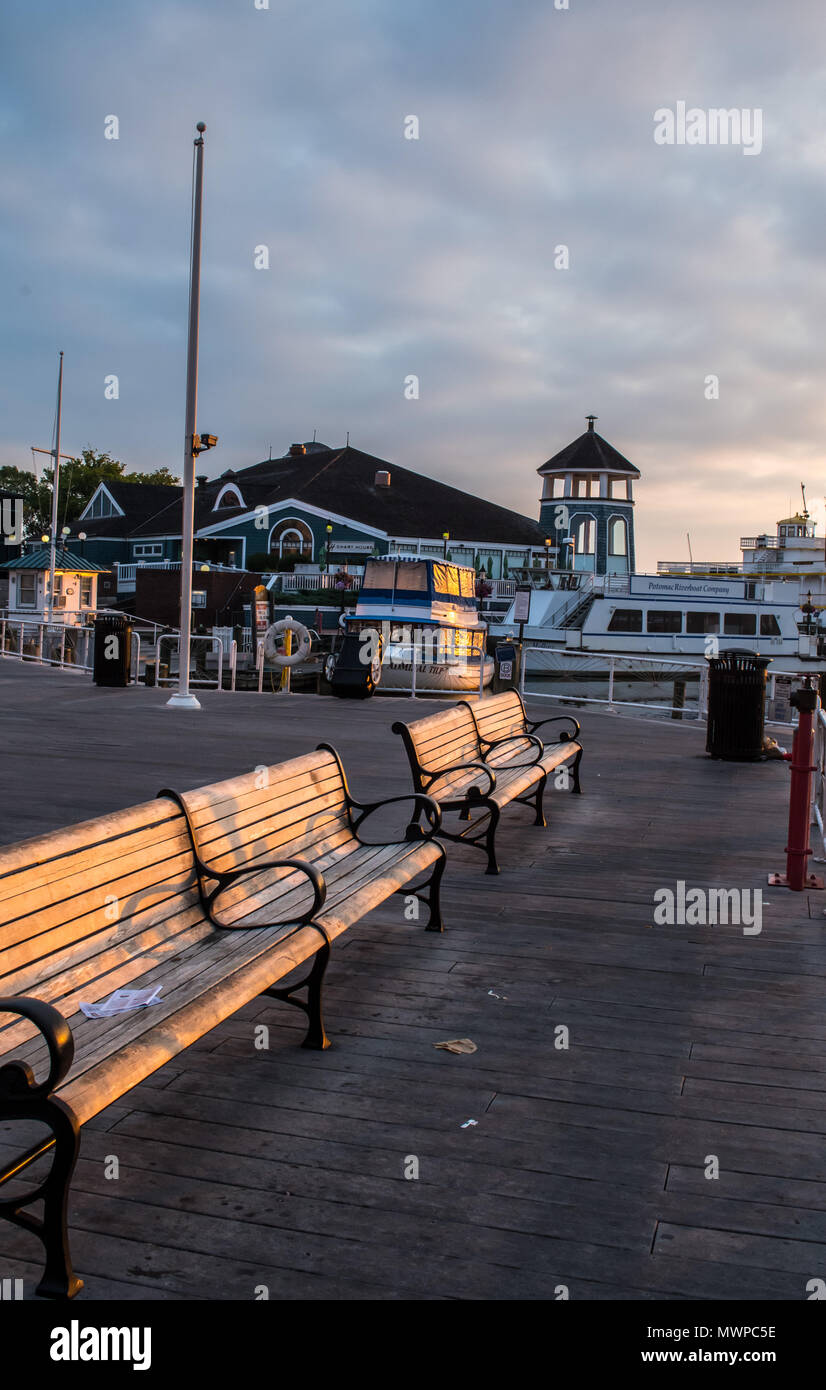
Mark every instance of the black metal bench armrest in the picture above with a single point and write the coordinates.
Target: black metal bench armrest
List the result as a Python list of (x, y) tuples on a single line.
[(414, 831), (533, 725), (227, 877), (435, 773), (17, 1080), (488, 747)]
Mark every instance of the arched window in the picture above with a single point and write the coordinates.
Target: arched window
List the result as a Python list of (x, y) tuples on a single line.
[(229, 496), (585, 535), (291, 539), (617, 536)]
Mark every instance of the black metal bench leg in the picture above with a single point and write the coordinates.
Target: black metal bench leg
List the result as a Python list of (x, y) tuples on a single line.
[(315, 1037), (577, 760), (434, 900), (540, 792), (59, 1279), (490, 839)]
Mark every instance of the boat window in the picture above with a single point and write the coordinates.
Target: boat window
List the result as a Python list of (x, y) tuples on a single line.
[(446, 579), (769, 626), (659, 620), (702, 622), (740, 624), (626, 620), (379, 574), (411, 577), (467, 583)]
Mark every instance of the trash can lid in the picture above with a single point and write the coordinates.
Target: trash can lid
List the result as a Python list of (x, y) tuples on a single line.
[(736, 655)]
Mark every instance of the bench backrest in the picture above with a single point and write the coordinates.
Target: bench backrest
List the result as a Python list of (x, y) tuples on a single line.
[(499, 716), (77, 906), (80, 908), (442, 741), (296, 809)]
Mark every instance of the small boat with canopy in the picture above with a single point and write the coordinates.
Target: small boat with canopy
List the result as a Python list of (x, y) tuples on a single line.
[(412, 612)]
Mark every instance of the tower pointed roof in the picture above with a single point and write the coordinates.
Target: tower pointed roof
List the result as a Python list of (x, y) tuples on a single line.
[(590, 453)]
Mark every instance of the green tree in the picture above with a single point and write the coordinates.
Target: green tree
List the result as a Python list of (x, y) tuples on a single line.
[(79, 479)]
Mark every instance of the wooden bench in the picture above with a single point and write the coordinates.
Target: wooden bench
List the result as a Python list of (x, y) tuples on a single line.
[(483, 756), (214, 895)]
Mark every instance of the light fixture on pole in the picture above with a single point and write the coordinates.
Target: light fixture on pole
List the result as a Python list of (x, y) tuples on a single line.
[(548, 544), (193, 444), (445, 538), (81, 535)]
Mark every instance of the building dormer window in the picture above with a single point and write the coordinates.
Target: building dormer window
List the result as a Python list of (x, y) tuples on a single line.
[(101, 505), (229, 496)]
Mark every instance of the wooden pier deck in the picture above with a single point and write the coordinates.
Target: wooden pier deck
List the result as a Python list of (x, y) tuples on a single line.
[(585, 1169)]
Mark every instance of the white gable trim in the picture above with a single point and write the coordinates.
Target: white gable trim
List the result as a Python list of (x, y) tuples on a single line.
[(228, 487), (86, 513), (290, 505)]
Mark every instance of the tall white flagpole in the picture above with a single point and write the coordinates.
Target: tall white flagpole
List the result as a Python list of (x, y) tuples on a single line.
[(55, 490), (183, 698)]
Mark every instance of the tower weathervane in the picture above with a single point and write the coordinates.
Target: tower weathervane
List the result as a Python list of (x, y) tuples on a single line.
[(591, 419)]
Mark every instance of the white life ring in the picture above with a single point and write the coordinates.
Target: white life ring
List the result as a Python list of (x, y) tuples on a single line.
[(298, 654)]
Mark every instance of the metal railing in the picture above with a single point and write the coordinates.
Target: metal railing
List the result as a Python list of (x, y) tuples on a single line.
[(819, 781), (296, 583), (620, 665), (206, 681), (420, 654), (67, 646), (722, 567)]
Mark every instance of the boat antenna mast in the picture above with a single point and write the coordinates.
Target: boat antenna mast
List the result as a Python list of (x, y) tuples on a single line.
[(805, 511)]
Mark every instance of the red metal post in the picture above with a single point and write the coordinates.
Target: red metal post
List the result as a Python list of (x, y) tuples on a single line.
[(800, 797)]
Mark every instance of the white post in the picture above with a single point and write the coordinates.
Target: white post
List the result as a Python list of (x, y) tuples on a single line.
[(413, 665), (233, 660), (610, 682), (55, 486), (62, 661), (259, 661), (183, 699), (481, 666), (3, 637), (40, 643)]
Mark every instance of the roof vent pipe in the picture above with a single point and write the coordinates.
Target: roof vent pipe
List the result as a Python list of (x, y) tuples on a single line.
[(382, 478)]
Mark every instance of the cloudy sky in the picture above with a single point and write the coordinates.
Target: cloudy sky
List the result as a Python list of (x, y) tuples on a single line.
[(391, 257)]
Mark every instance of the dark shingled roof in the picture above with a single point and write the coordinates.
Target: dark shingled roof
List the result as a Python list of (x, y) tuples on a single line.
[(343, 481), (589, 454), (139, 501)]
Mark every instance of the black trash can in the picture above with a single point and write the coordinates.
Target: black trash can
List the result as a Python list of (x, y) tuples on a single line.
[(113, 650), (736, 705)]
